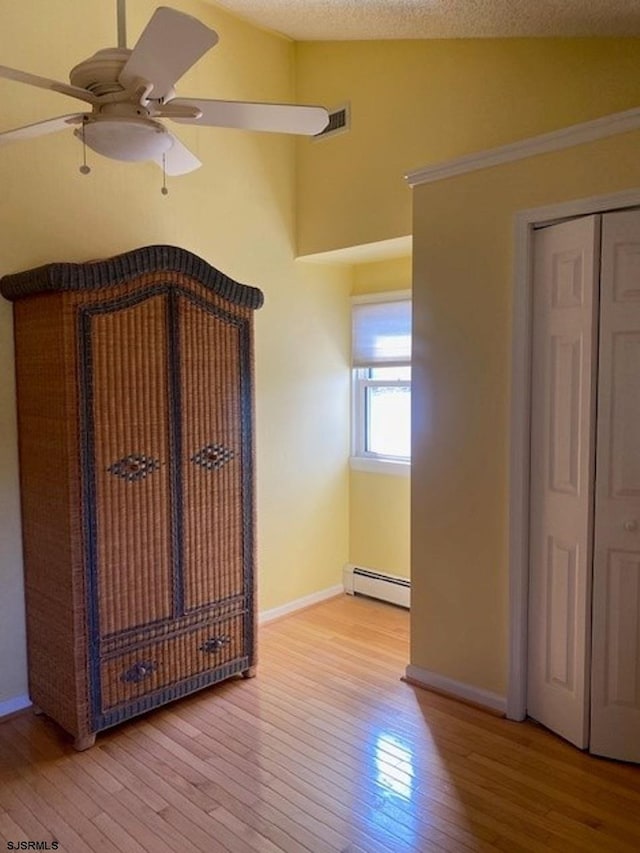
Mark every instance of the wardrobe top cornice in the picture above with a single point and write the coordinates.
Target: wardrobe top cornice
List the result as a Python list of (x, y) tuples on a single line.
[(95, 275)]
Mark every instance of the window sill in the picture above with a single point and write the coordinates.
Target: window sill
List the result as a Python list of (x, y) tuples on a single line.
[(380, 466)]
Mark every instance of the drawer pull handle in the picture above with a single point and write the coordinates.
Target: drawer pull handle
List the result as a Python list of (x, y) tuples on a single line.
[(214, 644), (138, 672)]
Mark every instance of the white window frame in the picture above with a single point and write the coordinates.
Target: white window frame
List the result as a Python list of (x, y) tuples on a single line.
[(361, 458)]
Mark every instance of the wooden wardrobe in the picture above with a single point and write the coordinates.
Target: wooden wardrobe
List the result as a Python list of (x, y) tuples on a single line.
[(135, 417)]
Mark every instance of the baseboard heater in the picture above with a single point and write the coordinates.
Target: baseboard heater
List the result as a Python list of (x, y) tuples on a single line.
[(391, 588)]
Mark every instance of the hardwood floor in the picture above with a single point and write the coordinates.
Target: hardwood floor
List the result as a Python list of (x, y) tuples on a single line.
[(326, 750)]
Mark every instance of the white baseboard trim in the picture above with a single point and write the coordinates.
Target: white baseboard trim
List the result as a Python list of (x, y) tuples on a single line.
[(457, 689), (299, 603), (13, 705)]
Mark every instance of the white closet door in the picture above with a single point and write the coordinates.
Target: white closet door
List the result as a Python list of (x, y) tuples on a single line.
[(615, 711), (566, 261)]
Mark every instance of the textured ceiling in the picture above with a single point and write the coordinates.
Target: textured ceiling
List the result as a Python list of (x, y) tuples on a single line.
[(313, 20)]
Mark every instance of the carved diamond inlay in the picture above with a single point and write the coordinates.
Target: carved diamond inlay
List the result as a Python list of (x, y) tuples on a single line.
[(134, 467), (213, 456)]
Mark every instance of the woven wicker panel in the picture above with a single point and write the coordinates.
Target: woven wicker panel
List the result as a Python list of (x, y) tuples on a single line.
[(49, 486), (131, 456), (212, 453), (159, 665)]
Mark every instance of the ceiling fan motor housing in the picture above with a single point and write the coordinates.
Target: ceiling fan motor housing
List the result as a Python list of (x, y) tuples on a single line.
[(99, 74), (121, 130)]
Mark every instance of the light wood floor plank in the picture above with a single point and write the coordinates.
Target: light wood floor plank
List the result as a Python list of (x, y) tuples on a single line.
[(284, 756), (319, 783), (326, 751), (20, 816)]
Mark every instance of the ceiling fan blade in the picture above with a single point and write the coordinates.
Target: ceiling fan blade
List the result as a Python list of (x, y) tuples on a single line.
[(46, 83), (170, 44), (178, 160), (278, 118), (41, 128)]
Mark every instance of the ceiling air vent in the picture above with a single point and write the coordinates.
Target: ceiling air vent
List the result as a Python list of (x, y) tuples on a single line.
[(339, 122)]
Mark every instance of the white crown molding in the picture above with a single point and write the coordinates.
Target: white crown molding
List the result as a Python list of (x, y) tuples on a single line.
[(455, 689), (566, 137)]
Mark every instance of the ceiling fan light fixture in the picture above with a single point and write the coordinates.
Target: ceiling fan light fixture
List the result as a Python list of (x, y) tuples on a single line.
[(126, 138)]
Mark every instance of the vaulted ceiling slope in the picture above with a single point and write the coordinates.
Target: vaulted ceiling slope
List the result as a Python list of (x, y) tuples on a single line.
[(331, 20)]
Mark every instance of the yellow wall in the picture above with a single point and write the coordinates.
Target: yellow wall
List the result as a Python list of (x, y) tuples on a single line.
[(379, 522), (420, 102), (379, 503), (237, 212), (463, 254), (380, 276)]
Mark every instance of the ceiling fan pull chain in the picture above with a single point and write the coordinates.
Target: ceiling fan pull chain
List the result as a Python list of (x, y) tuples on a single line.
[(164, 189), (84, 169)]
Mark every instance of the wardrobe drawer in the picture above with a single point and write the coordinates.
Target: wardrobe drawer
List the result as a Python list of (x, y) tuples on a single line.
[(158, 665)]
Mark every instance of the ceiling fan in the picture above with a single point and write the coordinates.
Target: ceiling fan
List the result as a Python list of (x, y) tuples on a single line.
[(130, 90)]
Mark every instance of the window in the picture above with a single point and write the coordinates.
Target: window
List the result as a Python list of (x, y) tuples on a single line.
[(381, 358)]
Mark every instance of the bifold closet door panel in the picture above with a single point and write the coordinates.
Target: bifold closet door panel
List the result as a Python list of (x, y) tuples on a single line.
[(615, 697), (215, 429), (126, 359), (565, 276)]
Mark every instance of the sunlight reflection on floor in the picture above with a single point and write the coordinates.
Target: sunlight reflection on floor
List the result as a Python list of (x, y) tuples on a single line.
[(394, 765)]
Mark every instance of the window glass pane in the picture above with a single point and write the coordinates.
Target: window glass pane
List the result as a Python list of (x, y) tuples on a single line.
[(389, 421), (391, 373)]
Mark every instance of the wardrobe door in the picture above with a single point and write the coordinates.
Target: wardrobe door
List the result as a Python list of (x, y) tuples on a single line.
[(215, 428), (126, 457)]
